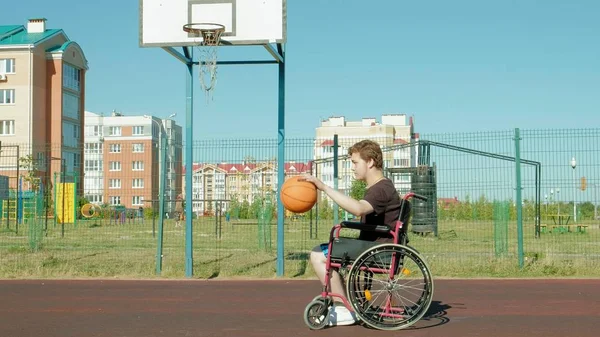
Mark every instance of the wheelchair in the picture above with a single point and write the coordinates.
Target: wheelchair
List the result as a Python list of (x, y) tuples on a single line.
[(388, 285)]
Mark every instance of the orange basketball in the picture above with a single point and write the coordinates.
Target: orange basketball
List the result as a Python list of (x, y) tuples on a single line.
[(298, 196)]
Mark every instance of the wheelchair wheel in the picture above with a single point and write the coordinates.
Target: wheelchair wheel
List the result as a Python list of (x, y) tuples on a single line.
[(390, 287), (316, 314)]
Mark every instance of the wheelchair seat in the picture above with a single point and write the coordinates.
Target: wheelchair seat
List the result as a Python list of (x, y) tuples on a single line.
[(346, 249)]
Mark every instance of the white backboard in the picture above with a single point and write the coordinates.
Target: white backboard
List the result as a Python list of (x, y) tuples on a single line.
[(247, 22)]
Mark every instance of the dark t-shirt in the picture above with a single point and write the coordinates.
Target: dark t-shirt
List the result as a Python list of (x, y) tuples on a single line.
[(385, 201)]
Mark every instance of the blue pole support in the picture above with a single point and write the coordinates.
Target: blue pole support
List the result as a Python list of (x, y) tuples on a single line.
[(281, 166), (189, 164)]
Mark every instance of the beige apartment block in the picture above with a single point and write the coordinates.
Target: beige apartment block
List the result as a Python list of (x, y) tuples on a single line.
[(42, 99)]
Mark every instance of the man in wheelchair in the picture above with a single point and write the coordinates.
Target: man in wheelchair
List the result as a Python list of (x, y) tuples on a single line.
[(380, 206)]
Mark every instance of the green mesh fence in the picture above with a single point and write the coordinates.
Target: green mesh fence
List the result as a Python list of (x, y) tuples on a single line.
[(501, 216), (469, 227)]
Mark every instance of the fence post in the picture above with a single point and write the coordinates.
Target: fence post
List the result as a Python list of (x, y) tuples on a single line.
[(336, 208), (519, 202)]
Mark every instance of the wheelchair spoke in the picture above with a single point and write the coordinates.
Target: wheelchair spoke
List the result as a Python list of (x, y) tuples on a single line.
[(390, 287)]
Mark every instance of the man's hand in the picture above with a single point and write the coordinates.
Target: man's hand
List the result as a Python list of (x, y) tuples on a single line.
[(311, 179)]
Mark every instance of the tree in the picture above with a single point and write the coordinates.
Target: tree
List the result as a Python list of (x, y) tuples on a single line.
[(325, 210), (32, 174)]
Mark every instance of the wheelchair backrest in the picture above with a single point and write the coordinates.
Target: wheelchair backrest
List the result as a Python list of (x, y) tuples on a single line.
[(405, 208)]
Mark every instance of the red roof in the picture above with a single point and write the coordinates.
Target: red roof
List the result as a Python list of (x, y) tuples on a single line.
[(328, 142), (294, 167), (400, 141)]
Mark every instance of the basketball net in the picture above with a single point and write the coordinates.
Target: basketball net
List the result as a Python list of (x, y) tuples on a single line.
[(207, 66), (207, 53)]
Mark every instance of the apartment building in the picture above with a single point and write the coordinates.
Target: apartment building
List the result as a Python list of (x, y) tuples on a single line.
[(122, 156), (212, 183), (392, 131), (42, 98)]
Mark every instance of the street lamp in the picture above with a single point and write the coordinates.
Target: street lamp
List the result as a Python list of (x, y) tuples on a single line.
[(573, 165)]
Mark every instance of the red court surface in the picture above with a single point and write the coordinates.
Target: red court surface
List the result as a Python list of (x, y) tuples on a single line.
[(42, 308)]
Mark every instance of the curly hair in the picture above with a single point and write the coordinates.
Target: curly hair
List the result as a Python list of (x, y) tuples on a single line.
[(368, 150)]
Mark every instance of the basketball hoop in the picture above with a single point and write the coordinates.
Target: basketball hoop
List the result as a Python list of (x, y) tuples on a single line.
[(207, 59)]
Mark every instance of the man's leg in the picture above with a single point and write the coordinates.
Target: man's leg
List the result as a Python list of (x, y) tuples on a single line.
[(338, 313), (319, 263)]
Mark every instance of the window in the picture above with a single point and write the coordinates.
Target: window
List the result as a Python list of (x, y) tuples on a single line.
[(114, 183), (71, 77), (76, 159), (137, 200), (137, 165), (114, 166), (71, 134), (115, 200), (115, 148), (138, 148), (93, 165), (114, 131), (7, 96), (7, 66), (7, 128), (93, 148), (93, 130), (71, 106), (137, 183), (401, 162), (94, 198), (137, 130)]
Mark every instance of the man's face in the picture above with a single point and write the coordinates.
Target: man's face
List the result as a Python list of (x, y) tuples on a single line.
[(359, 166)]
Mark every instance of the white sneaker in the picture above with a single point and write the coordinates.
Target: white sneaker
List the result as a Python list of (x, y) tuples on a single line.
[(340, 315)]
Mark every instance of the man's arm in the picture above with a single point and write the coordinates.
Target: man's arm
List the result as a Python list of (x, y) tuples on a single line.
[(356, 207)]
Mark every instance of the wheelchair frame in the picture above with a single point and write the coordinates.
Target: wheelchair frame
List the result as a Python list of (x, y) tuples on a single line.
[(316, 314)]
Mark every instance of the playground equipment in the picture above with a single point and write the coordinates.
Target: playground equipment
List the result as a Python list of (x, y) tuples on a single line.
[(65, 198), (88, 211)]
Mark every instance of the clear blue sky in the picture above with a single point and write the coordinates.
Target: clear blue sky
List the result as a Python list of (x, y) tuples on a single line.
[(454, 65)]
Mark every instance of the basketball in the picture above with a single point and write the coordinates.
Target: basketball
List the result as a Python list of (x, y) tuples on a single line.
[(298, 196)]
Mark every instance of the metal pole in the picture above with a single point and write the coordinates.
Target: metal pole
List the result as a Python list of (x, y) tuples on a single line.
[(17, 201), (62, 230), (161, 199), (280, 163), (574, 199), (596, 203), (518, 197), (310, 226), (46, 195), (189, 164), (336, 208)]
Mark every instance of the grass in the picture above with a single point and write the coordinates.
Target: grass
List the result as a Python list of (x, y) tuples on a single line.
[(102, 250)]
